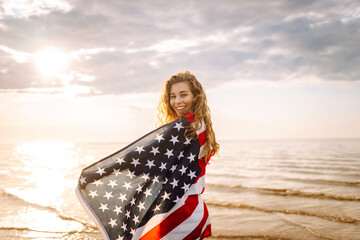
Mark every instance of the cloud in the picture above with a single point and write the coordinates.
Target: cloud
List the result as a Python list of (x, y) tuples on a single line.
[(27, 8), (18, 56), (119, 47)]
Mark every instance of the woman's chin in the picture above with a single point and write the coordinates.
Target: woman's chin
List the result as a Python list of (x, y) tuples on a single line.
[(182, 113)]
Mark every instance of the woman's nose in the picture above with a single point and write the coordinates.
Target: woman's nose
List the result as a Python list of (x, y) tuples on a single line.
[(177, 99)]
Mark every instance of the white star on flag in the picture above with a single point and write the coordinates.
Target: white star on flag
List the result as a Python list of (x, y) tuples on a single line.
[(112, 222), (93, 194), (82, 180), (173, 168), (188, 141), (117, 210), (192, 174), (140, 149), (150, 164), (155, 179), (157, 208), (166, 196), (135, 162), (124, 226), (159, 138), (148, 192), (181, 154), (112, 183), (174, 183), (103, 207), (101, 171), (120, 160), (145, 176), (130, 174), (122, 197), (136, 219), (191, 157), (182, 170), (139, 189), (108, 195), (178, 126), (169, 153), (186, 187), (97, 182), (116, 171), (163, 166), (132, 202), (155, 150), (141, 206), (127, 185), (174, 139)]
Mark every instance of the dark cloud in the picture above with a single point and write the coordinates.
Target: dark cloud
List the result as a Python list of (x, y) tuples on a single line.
[(218, 41)]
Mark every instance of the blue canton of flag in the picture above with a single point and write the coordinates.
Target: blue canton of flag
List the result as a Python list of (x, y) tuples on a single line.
[(123, 191)]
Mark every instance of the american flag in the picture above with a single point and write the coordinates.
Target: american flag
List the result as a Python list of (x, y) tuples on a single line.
[(150, 189)]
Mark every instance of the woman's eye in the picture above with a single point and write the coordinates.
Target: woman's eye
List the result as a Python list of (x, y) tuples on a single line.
[(172, 97), (183, 95)]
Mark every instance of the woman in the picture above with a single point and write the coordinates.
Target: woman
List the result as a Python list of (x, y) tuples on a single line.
[(183, 96), (137, 192)]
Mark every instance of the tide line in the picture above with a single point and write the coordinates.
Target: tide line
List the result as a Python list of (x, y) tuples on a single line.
[(284, 211), (287, 192), (267, 237)]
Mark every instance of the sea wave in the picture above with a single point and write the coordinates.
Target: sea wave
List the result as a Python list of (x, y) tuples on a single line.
[(14, 197), (322, 168), (267, 237), (284, 211), (326, 181), (287, 192), (309, 229), (35, 230)]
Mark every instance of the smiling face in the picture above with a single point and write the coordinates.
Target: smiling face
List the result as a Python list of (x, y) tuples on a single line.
[(181, 98)]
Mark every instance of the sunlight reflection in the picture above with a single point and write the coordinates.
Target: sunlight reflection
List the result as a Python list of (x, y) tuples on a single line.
[(47, 170), (41, 195), (41, 221)]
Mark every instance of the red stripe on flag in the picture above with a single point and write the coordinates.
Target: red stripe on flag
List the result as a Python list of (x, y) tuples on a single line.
[(202, 138), (202, 165), (190, 117), (173, 220), (208, 158), (207, 232), (197, 231)]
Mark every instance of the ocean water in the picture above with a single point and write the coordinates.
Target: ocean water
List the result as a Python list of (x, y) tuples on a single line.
[(270, 189)]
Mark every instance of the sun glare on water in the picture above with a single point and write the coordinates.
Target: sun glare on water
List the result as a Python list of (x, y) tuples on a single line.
[(47, 166), (47, 176), (51, 61)]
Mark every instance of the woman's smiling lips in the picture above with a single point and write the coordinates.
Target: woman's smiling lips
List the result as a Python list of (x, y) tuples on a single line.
[(180, 108)]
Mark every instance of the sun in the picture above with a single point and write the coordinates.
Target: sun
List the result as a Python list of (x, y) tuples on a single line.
[(51, 61)]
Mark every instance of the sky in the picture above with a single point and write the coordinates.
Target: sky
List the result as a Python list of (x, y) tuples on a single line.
[(94, 70)]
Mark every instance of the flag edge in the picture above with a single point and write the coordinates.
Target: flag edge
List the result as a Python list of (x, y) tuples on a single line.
[(91, 214), (110, 155)]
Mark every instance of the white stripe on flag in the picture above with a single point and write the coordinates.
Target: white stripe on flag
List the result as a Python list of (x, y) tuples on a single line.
[(186, 227), (202, 128), (195, 189), (206, 224), (201, 152)]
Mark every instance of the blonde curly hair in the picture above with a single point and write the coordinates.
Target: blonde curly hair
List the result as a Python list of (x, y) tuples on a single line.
[(199, 107)]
